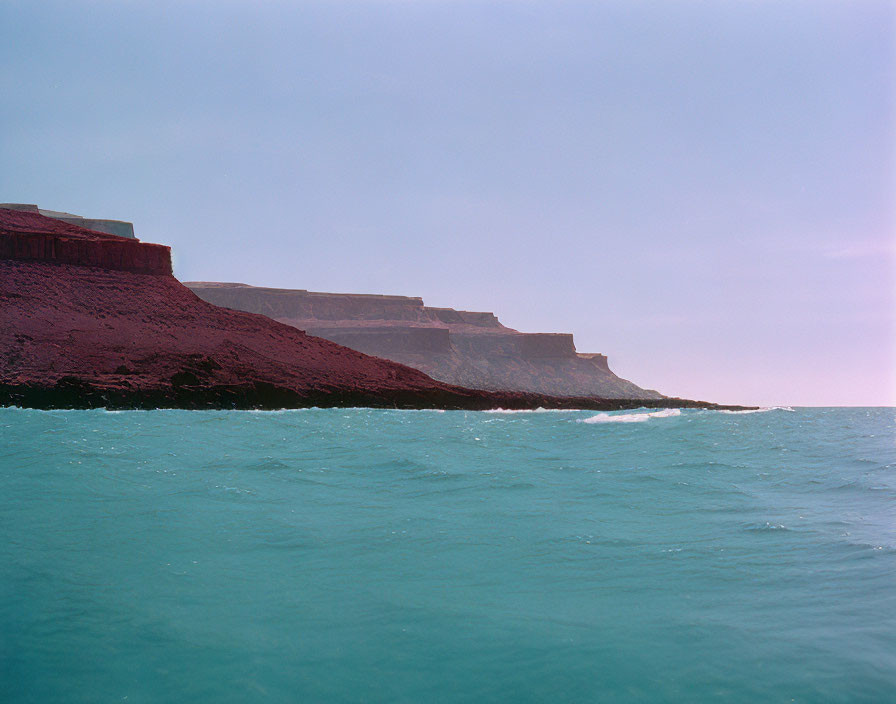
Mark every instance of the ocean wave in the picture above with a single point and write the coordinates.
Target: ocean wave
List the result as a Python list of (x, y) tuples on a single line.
[(766, 527), (760, 410), (632, 417), (530, 410)]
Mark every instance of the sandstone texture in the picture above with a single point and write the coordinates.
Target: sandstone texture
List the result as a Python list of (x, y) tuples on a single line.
[(471, 349)]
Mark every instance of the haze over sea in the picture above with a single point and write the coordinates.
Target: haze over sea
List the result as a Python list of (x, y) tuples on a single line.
[(411, 556)]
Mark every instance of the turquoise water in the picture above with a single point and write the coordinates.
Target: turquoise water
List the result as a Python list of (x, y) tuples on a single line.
[(401, 556)]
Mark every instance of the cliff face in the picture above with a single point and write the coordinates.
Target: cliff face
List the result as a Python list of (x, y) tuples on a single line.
[(28, 236), (471, 349), (87, 319)]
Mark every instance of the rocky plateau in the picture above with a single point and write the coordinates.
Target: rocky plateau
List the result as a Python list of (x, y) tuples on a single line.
[(93, 319), (471, 349)]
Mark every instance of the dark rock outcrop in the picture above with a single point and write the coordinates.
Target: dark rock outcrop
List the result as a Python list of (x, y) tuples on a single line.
[(471, 349)]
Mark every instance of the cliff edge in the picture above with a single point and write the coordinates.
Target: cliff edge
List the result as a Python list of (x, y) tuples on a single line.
[(121, 228), (90, 319), (466, 348)]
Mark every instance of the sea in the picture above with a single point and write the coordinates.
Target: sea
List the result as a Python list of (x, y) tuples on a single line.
[(357, 555)]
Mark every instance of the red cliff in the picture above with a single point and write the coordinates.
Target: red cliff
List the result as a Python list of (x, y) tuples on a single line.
[(29, 236), (91, 319), (88, 316)]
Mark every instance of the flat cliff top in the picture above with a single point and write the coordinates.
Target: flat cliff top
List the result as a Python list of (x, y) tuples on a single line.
[(29, 236), (385, 324), (304, 308), (468, 348), (200, 285), (27, 222)]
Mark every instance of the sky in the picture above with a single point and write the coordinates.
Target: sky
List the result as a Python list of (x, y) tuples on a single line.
[(703, 191)]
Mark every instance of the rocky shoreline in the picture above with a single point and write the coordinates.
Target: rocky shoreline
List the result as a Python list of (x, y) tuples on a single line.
[(75, 393), (93, 320)]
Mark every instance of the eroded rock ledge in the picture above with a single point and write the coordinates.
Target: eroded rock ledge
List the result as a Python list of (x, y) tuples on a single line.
[(91, 320), (466, 348), (30, 236), (121, 228)]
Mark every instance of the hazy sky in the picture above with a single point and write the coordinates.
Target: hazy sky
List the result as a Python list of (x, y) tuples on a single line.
[(704, 191)]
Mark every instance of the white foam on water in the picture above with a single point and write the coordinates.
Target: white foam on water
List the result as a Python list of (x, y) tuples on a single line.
[(760, 410), (632, 417), (530, 410)]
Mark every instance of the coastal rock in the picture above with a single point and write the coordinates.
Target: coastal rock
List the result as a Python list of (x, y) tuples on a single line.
[(29, 236), (87, 313), (88, 319), (112, 227), (467, 348)]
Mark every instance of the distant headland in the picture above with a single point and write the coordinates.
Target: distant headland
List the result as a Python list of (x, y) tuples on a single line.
[(465, 348), (93, 318)]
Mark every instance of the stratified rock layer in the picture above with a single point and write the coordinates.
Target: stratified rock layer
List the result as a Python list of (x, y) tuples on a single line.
[(29, 236), (89, 319), (471, 349), (86, 313)]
